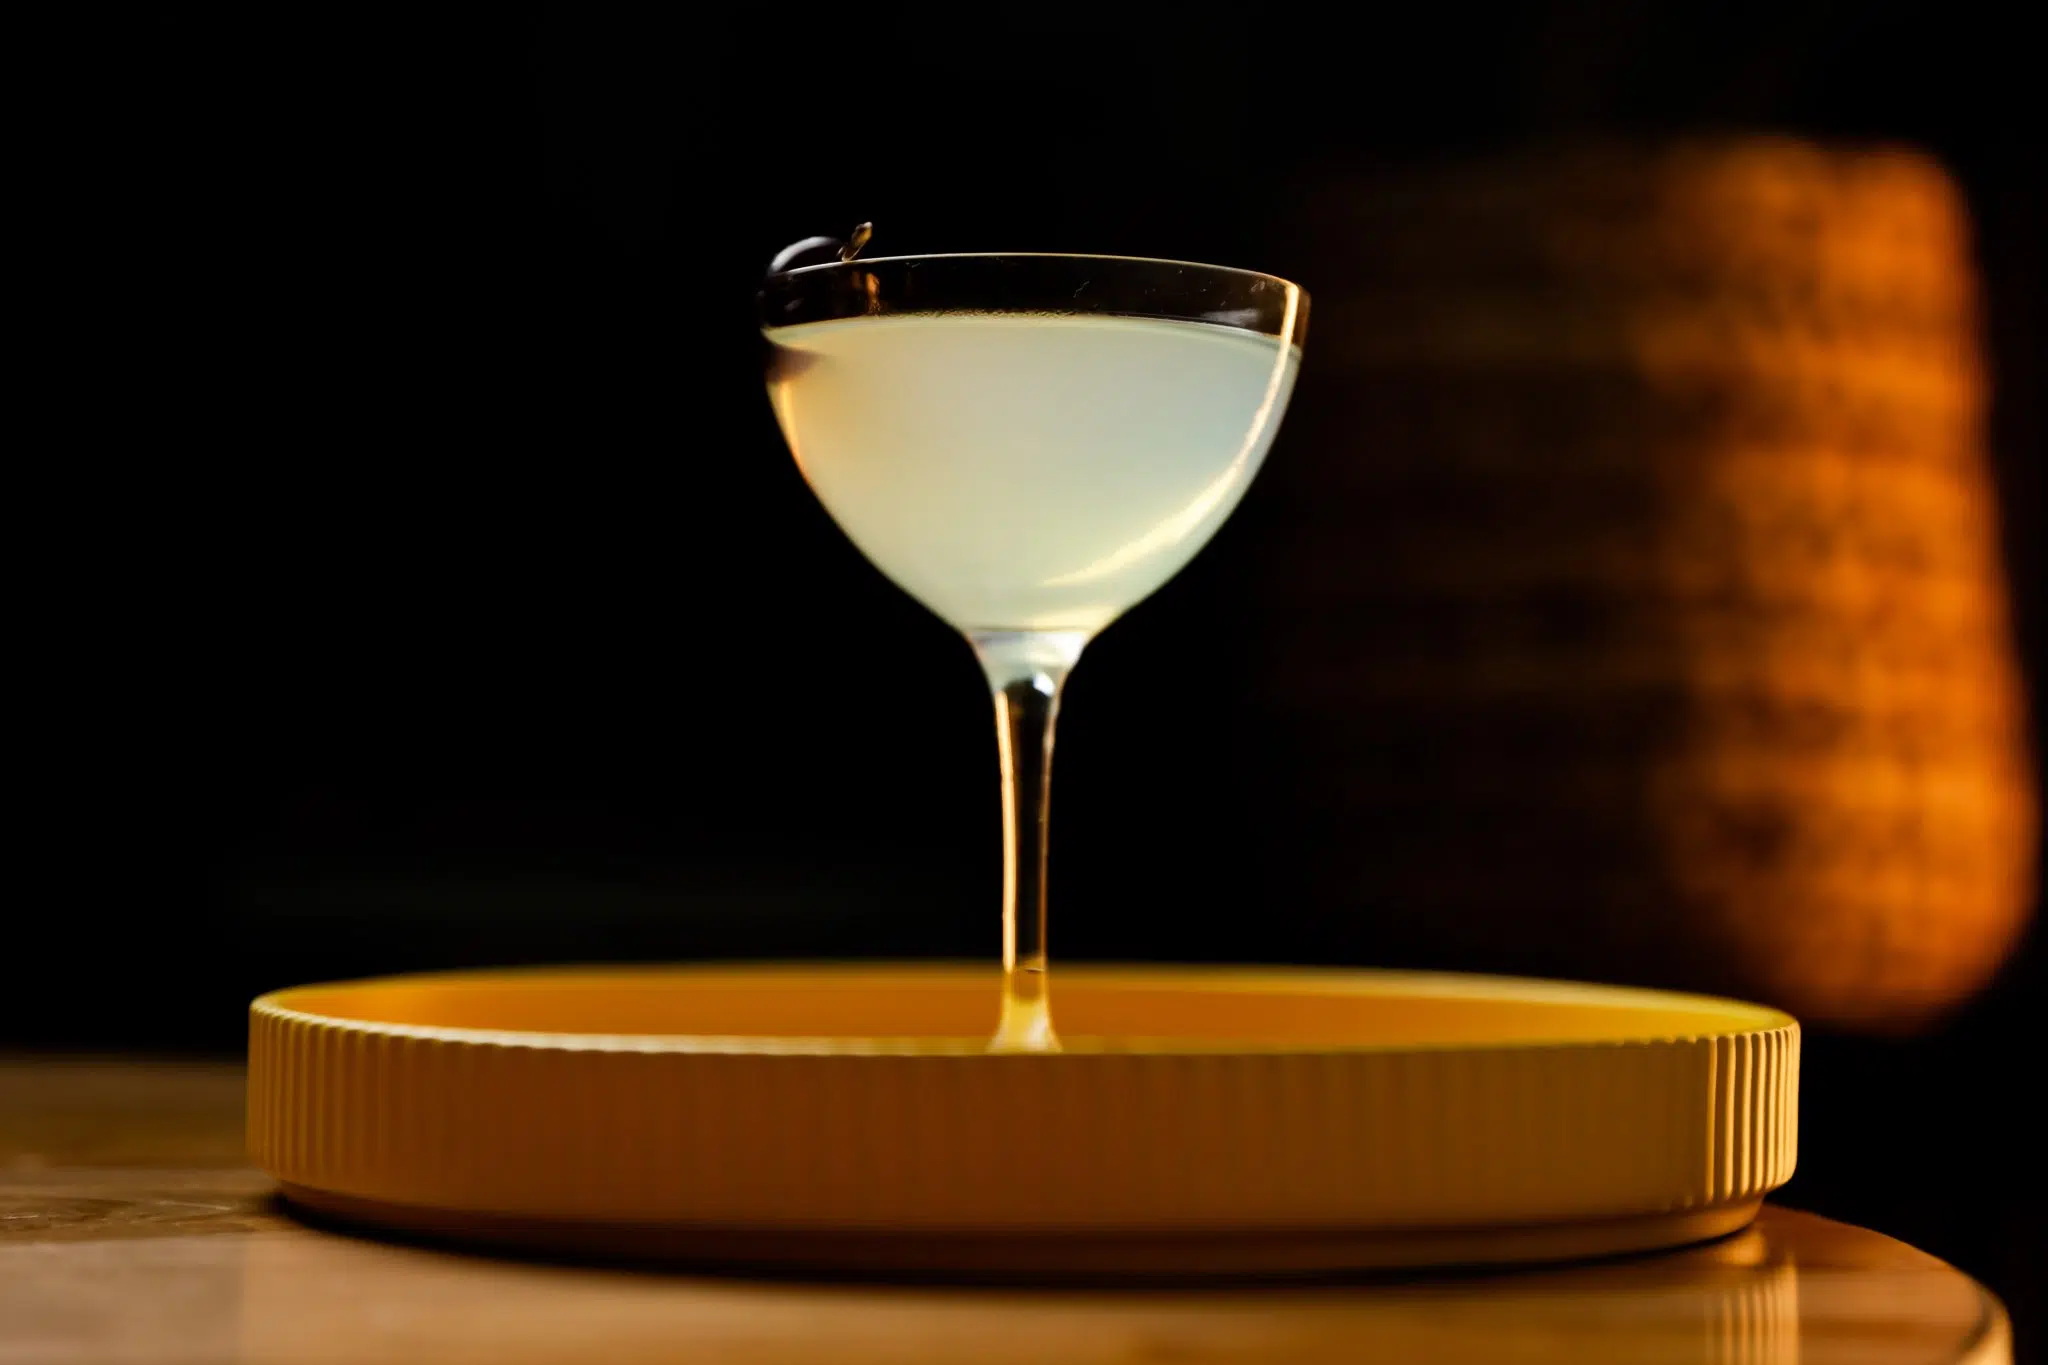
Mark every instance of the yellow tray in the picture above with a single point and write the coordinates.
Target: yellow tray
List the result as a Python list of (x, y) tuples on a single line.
[(1200, 1120)]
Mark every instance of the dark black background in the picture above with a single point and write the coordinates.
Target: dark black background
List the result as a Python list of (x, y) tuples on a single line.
[(435, 588)]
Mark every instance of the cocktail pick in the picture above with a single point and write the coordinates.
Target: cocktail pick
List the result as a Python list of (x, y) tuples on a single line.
[(822, 250)]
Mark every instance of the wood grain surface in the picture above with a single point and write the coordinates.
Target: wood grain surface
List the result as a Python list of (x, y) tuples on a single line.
[(131, 1230)]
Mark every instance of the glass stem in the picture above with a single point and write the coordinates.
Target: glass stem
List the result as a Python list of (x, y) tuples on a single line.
[(1026, 671)]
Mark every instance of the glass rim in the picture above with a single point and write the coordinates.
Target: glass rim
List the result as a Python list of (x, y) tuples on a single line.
[(859, 261)]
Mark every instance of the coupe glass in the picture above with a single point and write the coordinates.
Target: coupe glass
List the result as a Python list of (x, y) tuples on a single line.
[(1029, 445)]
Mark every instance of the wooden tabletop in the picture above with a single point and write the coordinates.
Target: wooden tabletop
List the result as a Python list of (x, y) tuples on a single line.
[(131, 1230)]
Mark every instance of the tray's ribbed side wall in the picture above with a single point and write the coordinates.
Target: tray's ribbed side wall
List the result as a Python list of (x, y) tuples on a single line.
[(1368, 1139)]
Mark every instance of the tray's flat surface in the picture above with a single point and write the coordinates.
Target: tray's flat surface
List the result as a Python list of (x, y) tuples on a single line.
[(129, 1233), (1224, 1120)]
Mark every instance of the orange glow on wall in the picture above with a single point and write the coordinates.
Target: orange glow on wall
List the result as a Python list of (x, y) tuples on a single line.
[(1642, 613)]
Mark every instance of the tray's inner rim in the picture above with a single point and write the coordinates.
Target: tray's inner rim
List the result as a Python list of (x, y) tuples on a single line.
[(316, 1005)]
